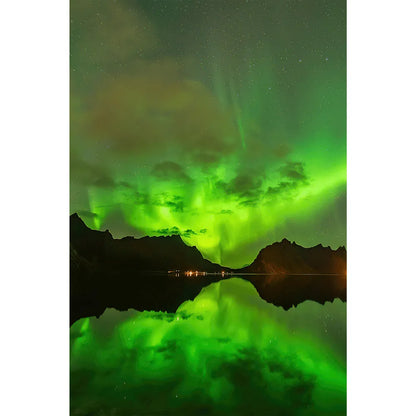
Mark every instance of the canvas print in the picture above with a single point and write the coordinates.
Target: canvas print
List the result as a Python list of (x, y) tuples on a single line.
[(207, 207)]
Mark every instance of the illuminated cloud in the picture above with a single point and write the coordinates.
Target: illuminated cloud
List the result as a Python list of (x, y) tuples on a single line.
[(179, 118)]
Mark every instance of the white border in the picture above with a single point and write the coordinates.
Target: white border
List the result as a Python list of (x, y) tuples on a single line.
[(381, 208), (35, 208)]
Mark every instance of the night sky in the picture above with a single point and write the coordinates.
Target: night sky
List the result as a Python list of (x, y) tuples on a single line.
[(221, 121)]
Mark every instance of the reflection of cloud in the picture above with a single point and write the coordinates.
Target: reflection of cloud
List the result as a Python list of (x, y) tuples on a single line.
[(225, 352)]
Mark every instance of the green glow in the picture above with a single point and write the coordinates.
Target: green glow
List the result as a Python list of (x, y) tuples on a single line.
[(239, 131), (226, 352)]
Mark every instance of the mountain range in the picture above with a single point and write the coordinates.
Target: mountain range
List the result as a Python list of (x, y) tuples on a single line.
[(171, 253), (132, 272)]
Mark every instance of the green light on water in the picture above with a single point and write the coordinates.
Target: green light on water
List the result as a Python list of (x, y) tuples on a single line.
[(226, 352)]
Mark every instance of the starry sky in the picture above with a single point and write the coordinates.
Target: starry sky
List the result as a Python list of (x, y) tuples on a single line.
[(221, 121)]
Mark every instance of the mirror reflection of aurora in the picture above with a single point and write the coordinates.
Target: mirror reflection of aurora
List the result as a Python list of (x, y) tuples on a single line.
[(226, 352)]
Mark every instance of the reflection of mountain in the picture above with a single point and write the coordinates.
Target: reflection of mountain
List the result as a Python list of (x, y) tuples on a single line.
[(289, 258), (121, 273), (266, 361)]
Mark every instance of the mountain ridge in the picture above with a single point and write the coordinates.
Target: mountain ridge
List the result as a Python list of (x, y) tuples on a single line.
[(158, 253), (287, 257), (171, 252), (132, 273)]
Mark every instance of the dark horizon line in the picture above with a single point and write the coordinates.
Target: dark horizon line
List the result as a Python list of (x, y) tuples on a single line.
[(178, 235)]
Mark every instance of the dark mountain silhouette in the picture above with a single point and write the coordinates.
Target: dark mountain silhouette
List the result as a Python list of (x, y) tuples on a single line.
[(147, 253), (290, 258), (132, 273)]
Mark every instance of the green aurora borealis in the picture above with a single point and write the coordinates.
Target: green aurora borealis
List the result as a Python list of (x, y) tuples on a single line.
[(223, 121), (227, 352)]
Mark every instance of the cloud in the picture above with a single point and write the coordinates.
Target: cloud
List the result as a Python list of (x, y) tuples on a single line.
[(131, 98), (105, 34), (167, 171), (205, 157), (244, 186), (91, 174), (248, 187), (167, 231), (173, 202), (294, 176), (281, 150), (294, 171), (188, 233), (144, 94), (284, 187), (176, 231), (160, 109)]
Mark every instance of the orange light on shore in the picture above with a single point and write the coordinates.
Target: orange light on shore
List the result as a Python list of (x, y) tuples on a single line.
[(195, 273)]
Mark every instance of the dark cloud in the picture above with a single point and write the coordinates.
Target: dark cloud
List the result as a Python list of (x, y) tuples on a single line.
[(130, 96), (225, 212), (176, 231), (282, 150), (282, 188), (248, 187), (243, 186), (104, 182), (294, 171), (294, 176), (188, 233), (90, 174), (160, 108), (126, 185), (141, 198), (175, 202), (167, 171), (168, 231), (250, 202), (205, 158)]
